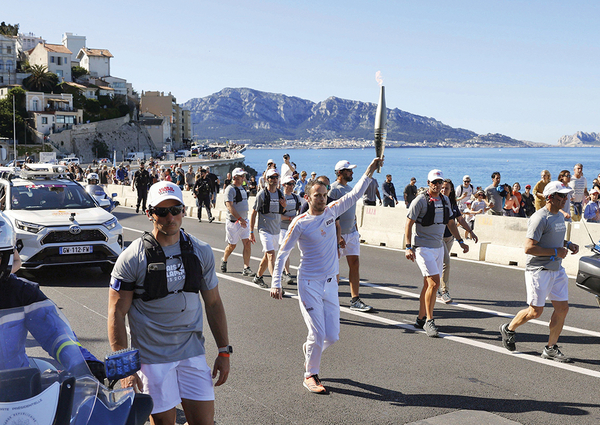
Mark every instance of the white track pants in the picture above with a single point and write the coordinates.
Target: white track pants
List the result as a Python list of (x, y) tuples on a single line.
[(320, 306)]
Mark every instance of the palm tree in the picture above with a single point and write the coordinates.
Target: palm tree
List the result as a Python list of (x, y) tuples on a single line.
[(40, 79)]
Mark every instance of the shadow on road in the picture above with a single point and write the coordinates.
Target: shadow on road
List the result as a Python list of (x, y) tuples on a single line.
[(452, 401)]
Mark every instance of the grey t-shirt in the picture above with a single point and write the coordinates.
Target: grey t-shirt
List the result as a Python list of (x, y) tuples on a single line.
[(290, 210), (494, 196), (241, 207), (271, 221), (170, 328), (347, 219), (371, 192), (549, 231), (428, 236)]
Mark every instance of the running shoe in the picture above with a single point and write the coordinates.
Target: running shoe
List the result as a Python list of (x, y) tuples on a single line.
[(313, 384), (358, 305), (446, 297), (211, 219), (223, 266), (260, 281), (508, 338), (553, 353), (248, 272), (420, 323), (431, 329)]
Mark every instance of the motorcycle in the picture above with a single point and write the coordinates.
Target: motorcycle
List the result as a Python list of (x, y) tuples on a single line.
[(106, 202), (35, 391)]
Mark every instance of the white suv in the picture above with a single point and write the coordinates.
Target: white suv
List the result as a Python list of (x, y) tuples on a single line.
[(56, 221)]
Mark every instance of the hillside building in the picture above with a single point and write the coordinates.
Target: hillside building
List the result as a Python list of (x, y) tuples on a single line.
[(161, 105), (74, 43), (8, 60), (55, 57)]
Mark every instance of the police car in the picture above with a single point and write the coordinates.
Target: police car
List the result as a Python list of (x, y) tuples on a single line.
[(56, 221)]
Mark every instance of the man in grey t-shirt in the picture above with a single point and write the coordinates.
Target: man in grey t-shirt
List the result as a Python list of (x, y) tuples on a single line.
[(431, 213), (268, 206), (161, 300), (371, 194), (236, 226), (494, 194), (545, 278), (350, 246)]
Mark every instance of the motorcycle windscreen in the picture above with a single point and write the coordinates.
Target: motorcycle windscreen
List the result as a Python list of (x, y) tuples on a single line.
[(39, 409)]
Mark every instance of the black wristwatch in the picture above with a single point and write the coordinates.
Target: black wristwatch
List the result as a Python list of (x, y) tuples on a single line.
[(227, 349)]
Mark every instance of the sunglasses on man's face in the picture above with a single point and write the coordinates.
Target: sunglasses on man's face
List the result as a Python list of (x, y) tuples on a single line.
[(560, 195), (273, 177), (440, 181), (164, 211)]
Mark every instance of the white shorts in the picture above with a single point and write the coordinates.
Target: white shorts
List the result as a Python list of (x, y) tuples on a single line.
[(430, 260), (168, 383), (268, 241), (234, 232), (545, 285), (352, 244)]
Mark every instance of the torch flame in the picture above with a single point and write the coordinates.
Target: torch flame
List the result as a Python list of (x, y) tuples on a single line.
[(379, 78)]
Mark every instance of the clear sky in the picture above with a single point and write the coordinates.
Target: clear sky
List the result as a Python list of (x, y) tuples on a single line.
[(526, 69)]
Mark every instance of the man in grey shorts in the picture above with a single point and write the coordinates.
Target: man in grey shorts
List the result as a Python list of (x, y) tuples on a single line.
[(431, 212), (156, 283), (545, 278)]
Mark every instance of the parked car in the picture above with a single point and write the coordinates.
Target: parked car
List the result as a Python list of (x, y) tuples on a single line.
[(68, 161), (56, 221)]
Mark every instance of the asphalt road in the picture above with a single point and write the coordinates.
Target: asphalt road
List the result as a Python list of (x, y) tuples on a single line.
[(382, 371)]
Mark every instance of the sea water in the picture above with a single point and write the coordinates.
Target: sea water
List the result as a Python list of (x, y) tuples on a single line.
[(523, 165)]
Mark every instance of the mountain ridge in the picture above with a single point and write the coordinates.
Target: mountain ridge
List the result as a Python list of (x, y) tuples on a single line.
[(263, 117)]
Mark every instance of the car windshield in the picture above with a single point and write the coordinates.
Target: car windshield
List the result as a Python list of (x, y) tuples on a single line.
[(50, 196)]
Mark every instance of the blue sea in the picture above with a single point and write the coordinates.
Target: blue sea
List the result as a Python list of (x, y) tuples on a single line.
[(523, 165)]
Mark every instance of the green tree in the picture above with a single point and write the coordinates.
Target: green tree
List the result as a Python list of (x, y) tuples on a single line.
[(8, 29), (6, 114), (78, 71), (40, 79), (100, 148)]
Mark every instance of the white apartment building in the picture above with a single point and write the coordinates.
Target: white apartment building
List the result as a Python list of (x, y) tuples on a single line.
[(8, 60), (96, 61), (74, 43), (29, 41), (55, 57), (52, 112)]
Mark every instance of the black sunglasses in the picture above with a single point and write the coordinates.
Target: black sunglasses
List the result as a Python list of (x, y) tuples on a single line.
[(273, 177), (164, 211), (439, 181)]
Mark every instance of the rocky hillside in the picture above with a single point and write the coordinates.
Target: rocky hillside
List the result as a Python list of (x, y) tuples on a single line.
[(580, 139), (246, 114)]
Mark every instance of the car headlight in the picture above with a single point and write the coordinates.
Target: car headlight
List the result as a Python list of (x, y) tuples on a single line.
[(110, 224), (28, 227)]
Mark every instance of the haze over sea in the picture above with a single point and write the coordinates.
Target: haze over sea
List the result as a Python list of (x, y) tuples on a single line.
[(521, 165)]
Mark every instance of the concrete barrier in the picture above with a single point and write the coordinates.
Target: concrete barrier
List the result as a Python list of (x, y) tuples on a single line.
[(501, 239)]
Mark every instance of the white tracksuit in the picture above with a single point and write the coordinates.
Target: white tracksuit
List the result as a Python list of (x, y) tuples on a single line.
[(317, 274)]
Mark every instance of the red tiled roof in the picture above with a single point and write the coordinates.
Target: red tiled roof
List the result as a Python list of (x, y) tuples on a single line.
[(97, 52), (57, 48)]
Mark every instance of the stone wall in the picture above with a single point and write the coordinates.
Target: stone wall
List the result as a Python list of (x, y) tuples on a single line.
[(119, 134)]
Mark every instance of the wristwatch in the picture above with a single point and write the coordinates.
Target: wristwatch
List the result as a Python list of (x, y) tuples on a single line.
[(227, 349)]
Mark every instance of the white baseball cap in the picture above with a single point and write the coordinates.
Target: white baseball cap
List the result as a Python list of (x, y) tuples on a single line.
[(272, 171), (314, 173), (238, 172), (466, 177), (288, 179), (556, 187), (270, 161), (163, 191), (435, 175), (594, 190), (344, 165)]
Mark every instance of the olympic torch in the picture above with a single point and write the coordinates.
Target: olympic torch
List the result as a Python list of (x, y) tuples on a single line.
[(380, 124)]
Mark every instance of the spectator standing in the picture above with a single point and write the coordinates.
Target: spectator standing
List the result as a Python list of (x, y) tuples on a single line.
[(538, 190), (592, 209), (268, 206), (313, 176), (410, 192), (190, 178), (164, 312), (104, 175), (494, 193), (301, 185), (121, 174), (545, 278), (252, 186), (429, 213), (351, 245), (141, 181), (580, 193), (516, 188), (528, 201), (389, 192), (511, 203), (215, 185), (464, 192), (565, 178), (372, 193), (201, 191), (236, 226), (227, 181), (288, 168)]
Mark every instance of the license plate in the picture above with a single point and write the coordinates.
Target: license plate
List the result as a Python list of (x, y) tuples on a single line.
[(76, 249)]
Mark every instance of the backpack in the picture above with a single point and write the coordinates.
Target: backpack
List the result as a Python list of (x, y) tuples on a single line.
[(429, 217), (266, 208)]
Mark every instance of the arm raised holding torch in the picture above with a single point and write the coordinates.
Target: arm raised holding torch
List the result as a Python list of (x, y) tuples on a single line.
[(380, 121)]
